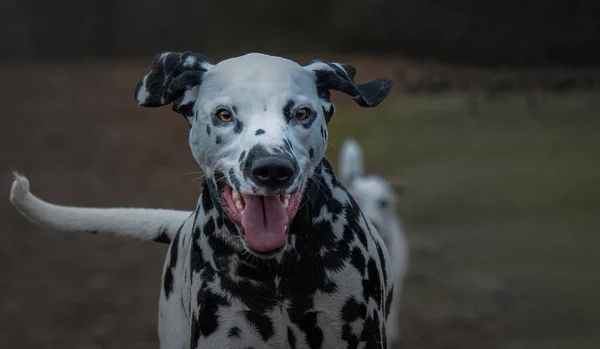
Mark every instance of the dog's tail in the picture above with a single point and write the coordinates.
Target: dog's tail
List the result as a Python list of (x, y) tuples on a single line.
[(142, 223), (351, 164)]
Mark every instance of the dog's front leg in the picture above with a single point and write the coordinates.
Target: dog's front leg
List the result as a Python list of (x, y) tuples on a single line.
[(174, 306)]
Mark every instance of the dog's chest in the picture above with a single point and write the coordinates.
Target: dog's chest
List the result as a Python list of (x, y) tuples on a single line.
[(293, 306)]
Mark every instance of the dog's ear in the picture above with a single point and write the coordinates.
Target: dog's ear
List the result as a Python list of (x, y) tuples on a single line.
[(340, 77), (174, 77), (351, 164)]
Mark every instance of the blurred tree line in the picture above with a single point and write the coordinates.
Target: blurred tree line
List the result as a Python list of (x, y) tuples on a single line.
[(494, 32)]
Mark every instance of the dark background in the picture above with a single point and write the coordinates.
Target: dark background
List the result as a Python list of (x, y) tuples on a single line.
[(498, 32), (492, 126)]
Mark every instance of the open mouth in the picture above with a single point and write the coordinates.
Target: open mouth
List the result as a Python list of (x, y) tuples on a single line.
[(264, 218)]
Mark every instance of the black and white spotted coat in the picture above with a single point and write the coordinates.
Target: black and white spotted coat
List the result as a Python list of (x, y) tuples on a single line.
[(331, 290)]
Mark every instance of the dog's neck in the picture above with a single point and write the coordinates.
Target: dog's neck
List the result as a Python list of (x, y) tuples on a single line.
[(324, 201)]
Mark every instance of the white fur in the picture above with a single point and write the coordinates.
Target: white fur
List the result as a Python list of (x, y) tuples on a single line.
[(368, 191), (141, 223)]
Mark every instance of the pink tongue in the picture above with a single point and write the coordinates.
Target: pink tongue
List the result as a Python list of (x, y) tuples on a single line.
[(264, 220)]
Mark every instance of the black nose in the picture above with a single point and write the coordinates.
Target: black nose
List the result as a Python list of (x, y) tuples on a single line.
[(272, 171)]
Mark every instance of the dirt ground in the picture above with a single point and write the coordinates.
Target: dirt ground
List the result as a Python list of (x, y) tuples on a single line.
[(77, 133)]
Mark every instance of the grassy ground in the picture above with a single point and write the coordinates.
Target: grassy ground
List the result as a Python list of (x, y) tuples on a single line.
[(501, 208), (502, 211)]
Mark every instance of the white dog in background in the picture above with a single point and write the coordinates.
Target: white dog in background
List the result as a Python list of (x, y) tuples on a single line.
[(376, 198)]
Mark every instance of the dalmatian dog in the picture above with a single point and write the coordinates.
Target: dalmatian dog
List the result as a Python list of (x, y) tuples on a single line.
[(277, 253), (376, 197)]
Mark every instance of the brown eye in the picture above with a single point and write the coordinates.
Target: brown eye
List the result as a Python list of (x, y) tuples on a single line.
[(224, 115), (302, 114)]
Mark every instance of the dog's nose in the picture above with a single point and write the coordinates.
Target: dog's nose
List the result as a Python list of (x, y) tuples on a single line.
[(273, 172)]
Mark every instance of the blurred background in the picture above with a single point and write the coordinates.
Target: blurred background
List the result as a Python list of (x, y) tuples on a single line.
[(492, 126)]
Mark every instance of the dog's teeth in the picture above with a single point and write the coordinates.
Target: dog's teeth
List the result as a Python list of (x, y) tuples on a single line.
[(285, 199), (238, 204), (237, 199)]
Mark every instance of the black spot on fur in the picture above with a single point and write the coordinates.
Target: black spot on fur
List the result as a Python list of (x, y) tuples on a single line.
[(288, 110), (242, 155), (351, 310), (210, 303), (255, 288), (262, 323), (358, 260), (372, 285), (238, 126), (234, 332), (209, 227), (291, 338), (168, 277), (336, 208), (218, 140), (311, 153), (329, 287), (163, 238), (219, 246), (314, 334), (208, 130), (196, 259), (184, 109), (259, 132), (234, 180), (382, 262), (371, 333), (207, 192)]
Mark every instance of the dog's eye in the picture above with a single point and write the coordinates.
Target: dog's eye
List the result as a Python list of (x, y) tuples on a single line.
[(383, 203), (224, 115), (302, 114)]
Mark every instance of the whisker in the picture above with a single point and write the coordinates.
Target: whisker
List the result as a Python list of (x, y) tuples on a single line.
[(196, 179), (188, 174)]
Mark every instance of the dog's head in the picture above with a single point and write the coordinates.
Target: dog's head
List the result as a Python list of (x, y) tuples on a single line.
[(258, 129), (375, 195)]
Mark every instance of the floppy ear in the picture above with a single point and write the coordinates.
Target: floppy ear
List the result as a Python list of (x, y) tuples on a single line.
[(174, 77), (351, 164), (340, 77)]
